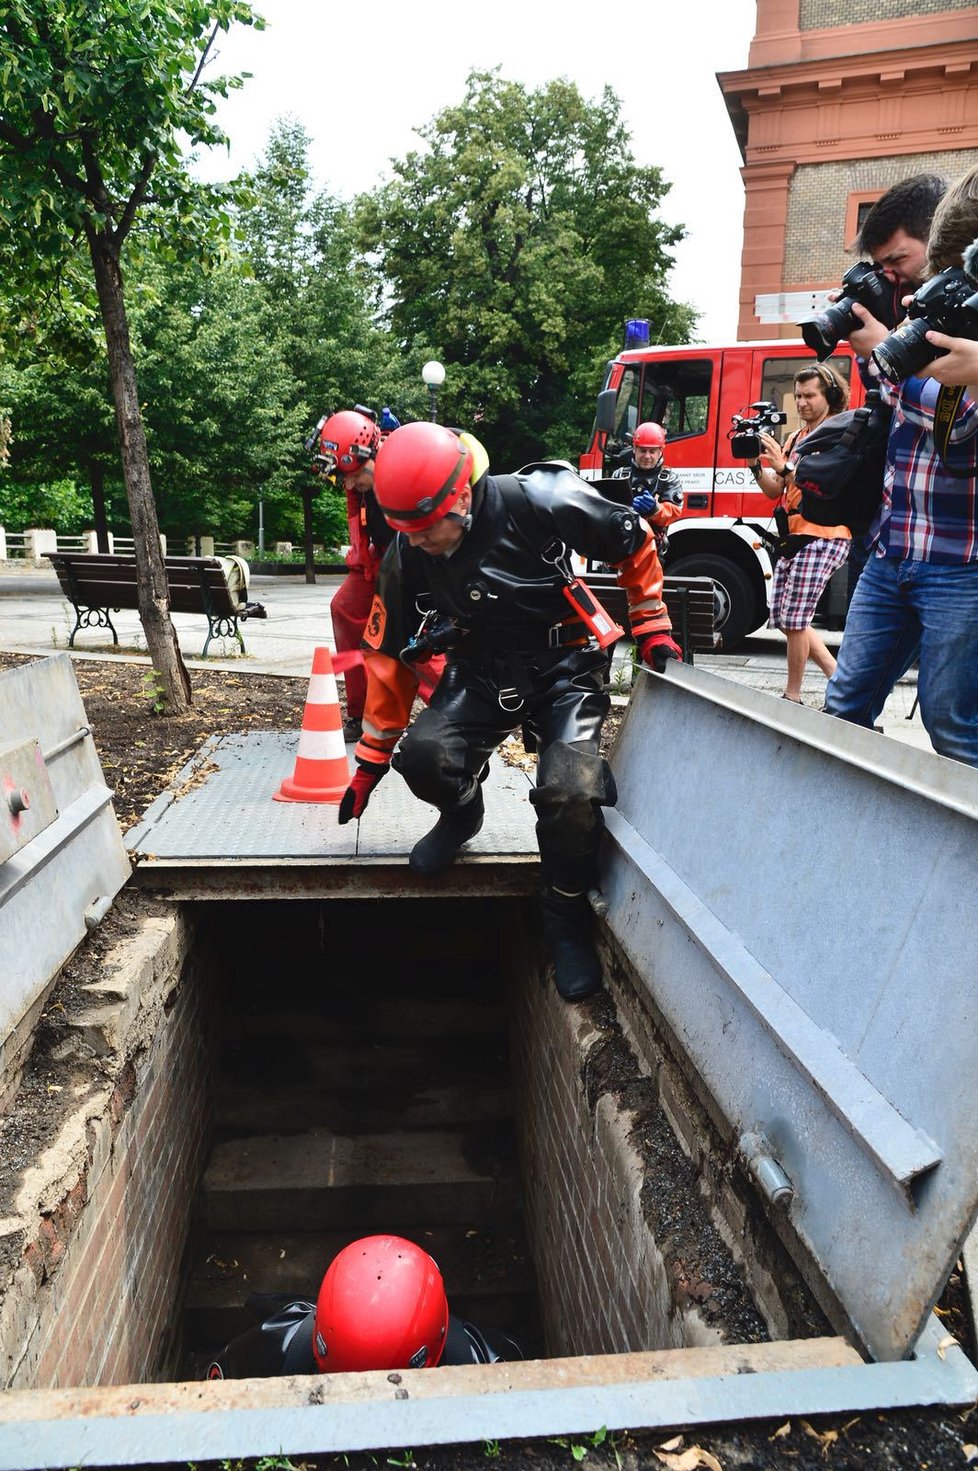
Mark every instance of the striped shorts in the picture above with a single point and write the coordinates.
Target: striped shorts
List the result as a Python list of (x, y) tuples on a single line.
[(799, 581)]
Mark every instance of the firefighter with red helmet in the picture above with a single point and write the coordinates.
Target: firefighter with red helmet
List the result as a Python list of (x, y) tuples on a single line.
[(381, 1305), (485, 560), (347, 446), (346, 449), (656, 492)]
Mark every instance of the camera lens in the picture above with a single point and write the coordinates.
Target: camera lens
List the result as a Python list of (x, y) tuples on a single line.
[(906, 350), (823, 331)]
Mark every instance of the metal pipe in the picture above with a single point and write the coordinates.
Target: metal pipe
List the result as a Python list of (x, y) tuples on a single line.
[(765, 1169), (67, 743)]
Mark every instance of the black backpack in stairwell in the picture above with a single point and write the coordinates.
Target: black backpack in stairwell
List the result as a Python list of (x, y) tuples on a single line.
[(839, 467)]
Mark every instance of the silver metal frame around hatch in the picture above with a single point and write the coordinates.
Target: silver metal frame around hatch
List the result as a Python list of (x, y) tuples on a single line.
[(163, 1424), (842, 1110)]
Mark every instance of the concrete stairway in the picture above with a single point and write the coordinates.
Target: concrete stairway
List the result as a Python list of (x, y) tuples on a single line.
[(360, 1093)]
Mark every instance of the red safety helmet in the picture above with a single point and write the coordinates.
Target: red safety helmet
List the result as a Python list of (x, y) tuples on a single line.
[(381, 1305), (421, 471), (347, 441), (649, 436)]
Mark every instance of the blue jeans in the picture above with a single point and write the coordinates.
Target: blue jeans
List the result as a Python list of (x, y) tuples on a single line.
[(902, 611)]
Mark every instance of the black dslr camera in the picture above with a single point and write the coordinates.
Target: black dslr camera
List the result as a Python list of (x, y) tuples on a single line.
[(744, 441), (946, 303), (864, 283)]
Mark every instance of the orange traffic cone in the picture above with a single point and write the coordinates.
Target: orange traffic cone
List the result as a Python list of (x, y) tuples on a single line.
[(322, 773)]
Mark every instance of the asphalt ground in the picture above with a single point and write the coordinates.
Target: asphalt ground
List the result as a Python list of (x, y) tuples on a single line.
[(36, 618)]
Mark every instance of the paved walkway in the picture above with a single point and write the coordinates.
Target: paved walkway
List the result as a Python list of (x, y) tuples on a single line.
[(35, 618)]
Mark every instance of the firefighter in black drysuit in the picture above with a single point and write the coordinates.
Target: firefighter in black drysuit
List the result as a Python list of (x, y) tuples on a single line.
[(484, 557), (381, 1305), (656, 492)]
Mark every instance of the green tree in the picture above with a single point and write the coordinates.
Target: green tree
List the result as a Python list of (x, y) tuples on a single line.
[(516, 244), (62, 430), (97, 98), (222, 422), (318, 297)]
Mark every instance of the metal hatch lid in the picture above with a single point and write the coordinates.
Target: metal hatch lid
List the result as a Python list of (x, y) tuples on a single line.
[(218, 833), (799, 897), (63, 856)]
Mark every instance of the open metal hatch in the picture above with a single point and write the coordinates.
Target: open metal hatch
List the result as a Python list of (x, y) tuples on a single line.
[(797, 898), (62, 860), (799, 895)]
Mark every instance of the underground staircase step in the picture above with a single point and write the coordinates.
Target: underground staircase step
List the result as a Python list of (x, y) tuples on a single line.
[(307, 1105), (487, 1277), (353, 1017), (371, 1066), (319, 1180)]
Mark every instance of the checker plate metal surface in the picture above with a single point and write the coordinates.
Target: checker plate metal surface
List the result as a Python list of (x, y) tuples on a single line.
[(220, 809)]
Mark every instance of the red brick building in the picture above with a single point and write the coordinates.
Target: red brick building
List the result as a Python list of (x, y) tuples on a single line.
[(840, 99)]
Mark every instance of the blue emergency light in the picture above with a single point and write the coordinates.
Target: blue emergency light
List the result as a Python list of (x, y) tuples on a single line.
[(637, 333)]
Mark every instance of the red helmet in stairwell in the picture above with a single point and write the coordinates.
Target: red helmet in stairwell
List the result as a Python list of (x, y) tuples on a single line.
[(381, 1305), (649, 436), (421, 471), (348, 440)]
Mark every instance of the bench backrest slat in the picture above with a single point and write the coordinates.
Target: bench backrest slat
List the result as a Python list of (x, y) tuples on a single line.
[(105, 580)]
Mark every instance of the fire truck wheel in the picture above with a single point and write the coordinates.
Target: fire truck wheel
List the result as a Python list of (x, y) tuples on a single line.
[(735, 604)]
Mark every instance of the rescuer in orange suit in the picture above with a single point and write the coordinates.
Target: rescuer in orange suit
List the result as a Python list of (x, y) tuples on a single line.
[(381, 1305), (484, 559), (347, 447)]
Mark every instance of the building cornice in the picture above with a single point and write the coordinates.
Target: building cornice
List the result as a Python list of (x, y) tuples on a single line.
[(812, 111)]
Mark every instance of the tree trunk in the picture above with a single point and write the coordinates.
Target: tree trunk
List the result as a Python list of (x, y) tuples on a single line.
[(307, 534), (96, 480), (154, 594)]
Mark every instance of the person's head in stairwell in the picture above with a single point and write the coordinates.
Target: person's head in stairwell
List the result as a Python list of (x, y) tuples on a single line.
[(381, 1305)]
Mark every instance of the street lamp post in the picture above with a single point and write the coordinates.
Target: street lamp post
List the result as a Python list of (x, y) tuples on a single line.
[(433, 375)]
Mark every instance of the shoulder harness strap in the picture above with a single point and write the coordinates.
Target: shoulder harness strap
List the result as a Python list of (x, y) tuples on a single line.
[(527, 522)]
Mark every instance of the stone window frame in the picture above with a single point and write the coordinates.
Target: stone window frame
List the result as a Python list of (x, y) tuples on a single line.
[(855, 201)]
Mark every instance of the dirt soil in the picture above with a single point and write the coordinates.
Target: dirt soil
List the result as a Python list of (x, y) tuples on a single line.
[(140, 753)]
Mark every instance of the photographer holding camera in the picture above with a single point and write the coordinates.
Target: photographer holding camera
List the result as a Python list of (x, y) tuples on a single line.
[(917, 598), (809, 553)]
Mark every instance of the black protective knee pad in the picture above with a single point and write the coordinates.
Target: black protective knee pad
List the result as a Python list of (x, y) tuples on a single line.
[(572, 785), (431, 759)]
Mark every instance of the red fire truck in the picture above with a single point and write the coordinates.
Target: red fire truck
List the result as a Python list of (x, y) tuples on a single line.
[(726, 526)]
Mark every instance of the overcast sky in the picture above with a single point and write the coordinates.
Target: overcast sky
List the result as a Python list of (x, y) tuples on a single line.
[(361, 78)]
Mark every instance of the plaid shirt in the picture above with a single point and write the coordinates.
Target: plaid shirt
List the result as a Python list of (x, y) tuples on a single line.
[(927, 515)]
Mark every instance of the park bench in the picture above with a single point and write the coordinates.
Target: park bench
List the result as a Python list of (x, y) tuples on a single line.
[(99, 583), (691, 605)]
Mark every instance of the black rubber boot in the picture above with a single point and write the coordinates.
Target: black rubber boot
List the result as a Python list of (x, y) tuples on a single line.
[(456, 825), (568, 937)]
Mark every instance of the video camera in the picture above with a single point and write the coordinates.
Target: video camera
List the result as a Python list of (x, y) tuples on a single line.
[(744, 441), (946, 303), (863, 282)]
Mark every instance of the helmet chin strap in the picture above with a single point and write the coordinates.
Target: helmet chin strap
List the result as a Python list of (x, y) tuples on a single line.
[(465, 519)]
